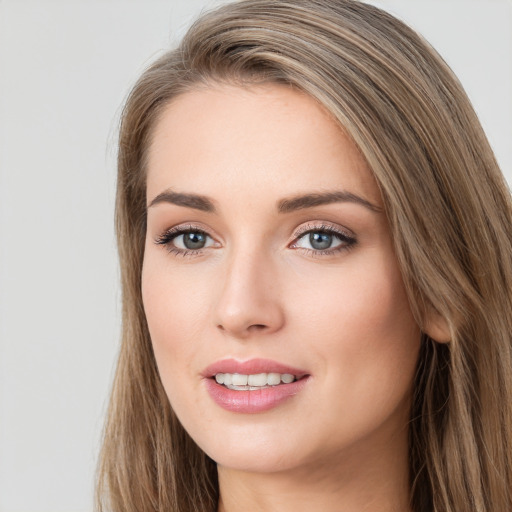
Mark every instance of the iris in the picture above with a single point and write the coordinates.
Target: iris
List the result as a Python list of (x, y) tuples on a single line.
[(320, 241), (194, 240)]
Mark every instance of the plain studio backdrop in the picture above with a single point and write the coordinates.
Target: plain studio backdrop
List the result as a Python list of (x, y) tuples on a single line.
[(65, 68)]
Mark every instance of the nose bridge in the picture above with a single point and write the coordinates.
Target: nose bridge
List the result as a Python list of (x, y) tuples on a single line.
[(249, 299)]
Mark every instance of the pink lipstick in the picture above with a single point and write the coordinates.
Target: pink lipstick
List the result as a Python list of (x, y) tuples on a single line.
[(253, 386)]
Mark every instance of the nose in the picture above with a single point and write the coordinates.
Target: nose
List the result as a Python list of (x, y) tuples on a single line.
[(250, 302)]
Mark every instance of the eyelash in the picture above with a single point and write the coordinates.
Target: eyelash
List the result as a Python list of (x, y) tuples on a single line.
[(347, 241), (171, 234)]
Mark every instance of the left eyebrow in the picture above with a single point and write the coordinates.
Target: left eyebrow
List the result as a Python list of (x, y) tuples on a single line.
[(311, 200), (193, 201)]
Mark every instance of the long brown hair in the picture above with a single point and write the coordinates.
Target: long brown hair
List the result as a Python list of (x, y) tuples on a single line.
[(450, 215)]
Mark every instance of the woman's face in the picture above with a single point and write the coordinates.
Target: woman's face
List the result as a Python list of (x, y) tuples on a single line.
[(268, 255)]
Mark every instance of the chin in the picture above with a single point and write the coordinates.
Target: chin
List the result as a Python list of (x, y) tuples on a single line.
[(252, 448), (255, 461)]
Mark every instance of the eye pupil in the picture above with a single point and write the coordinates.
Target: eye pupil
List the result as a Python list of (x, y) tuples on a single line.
[(320, 240), (194, 240)]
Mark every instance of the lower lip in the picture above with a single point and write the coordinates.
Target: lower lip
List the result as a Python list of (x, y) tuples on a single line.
[(251, 402)]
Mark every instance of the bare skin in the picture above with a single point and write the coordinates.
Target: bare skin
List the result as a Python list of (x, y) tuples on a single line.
[(237, 268)]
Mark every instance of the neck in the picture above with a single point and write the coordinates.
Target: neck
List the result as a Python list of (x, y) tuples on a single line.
[(375, 481)]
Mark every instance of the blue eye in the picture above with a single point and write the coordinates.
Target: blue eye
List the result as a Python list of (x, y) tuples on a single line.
[(324, 240), (185, 240), (317, 240), (192, 240), (321, 241)]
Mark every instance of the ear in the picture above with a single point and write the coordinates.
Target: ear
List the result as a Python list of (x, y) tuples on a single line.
[(436, 327)]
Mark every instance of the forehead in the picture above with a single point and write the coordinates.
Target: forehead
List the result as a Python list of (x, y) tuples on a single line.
[(267, 138)]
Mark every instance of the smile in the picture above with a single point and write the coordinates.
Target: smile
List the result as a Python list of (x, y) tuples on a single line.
[(253, 386), (253, 382)]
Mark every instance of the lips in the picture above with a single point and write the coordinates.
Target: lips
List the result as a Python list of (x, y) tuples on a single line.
[(238, 386), (253, 366)]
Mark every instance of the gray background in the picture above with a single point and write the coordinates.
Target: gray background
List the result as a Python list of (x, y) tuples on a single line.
[(65, 67)]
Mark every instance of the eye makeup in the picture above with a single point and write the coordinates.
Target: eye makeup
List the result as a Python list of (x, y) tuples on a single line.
[(185, 240), (324, 239), (313, 238)]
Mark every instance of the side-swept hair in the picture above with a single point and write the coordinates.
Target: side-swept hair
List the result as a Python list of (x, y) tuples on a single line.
[(450, 215)]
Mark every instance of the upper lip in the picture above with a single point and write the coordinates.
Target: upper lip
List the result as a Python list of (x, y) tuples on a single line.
[(250, 367)]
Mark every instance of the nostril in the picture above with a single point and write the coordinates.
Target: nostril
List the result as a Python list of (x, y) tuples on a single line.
[(258, 327)]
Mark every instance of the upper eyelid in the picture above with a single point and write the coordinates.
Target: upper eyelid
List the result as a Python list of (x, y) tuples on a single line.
[(183, 228), (309, 227), (165, 237)]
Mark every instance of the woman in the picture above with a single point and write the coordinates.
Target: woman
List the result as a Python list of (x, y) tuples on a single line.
[(315, 243)]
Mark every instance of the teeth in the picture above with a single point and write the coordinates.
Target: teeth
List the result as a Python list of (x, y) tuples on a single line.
[(287, 378), (259, 379), (273, 379), (240, 381)]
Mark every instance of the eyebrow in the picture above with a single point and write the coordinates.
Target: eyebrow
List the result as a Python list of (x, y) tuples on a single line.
[(194, 201), (204, 204), (312, 200)]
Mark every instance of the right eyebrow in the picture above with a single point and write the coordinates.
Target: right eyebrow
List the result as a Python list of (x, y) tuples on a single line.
[(318, 199), (194, 201)]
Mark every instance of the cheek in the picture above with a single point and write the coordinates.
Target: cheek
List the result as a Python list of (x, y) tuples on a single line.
[(360, 324), (174, 307), (366, 298)]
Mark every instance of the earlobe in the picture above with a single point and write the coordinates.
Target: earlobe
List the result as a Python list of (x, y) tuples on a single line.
[(436, 327)]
